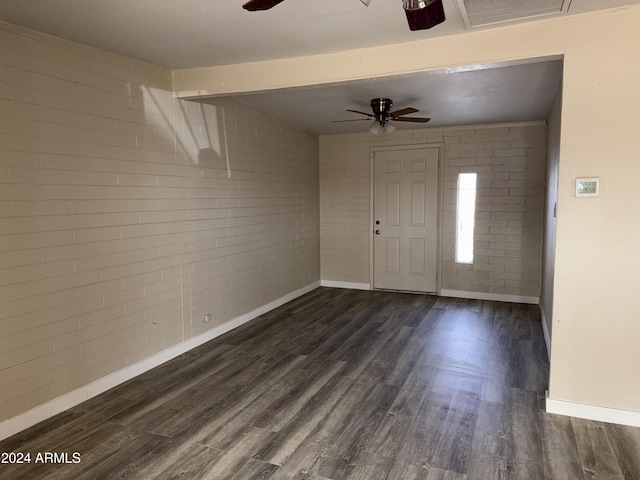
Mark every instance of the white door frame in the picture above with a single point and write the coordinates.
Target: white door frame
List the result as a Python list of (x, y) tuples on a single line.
[(416, 146)]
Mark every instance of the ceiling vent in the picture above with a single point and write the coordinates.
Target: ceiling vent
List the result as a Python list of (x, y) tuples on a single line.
[(477, 13)]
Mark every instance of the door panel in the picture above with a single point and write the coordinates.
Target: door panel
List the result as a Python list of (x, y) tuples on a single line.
[(405, 204), (419, 166), (418, 203), (393, 256), (417, 263), (393, 203)]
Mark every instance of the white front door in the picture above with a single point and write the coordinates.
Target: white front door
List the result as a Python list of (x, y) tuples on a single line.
[(405, 238)]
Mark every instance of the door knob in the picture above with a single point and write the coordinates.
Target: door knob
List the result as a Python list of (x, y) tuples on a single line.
[(377, 232), (377, 222)]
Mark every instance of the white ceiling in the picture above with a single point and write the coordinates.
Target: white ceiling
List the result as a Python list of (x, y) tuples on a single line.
[(198, 33), (193, 33), (513, 93)]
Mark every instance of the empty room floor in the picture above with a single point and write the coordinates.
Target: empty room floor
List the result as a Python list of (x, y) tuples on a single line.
[(342, 384)]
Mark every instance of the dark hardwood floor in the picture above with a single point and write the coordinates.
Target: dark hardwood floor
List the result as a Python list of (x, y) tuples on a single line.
[(342, 384)]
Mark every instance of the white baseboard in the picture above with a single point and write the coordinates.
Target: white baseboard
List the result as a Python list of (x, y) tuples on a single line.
[(545, 330), (495, 297), (591, 412), (47, 410), (351, 285)]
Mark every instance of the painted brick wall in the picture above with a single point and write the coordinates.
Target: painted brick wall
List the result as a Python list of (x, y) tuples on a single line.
[(126, 215), (509, 160), (344, 208), (510, 165)]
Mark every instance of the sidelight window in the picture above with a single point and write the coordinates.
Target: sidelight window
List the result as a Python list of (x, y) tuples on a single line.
[(465, 217)]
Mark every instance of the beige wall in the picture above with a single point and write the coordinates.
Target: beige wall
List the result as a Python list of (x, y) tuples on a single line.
[(509, 161), (595, 327), (595, 314), (551, 199), (126, 215)]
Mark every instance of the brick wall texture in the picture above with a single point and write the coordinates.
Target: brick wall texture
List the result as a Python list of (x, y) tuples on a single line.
[(510, 163), (126, 214)]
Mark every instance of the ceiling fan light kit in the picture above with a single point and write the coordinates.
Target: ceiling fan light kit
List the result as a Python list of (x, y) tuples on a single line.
[(378, 128)]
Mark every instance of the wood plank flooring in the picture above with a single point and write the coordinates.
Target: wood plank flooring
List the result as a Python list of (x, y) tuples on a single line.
[(342, 384)]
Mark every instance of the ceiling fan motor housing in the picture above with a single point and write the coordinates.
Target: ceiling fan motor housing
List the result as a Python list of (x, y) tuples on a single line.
[(381, 107), (423, 14)]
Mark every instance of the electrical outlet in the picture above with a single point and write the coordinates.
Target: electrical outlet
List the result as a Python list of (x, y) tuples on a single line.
[(207, 318)]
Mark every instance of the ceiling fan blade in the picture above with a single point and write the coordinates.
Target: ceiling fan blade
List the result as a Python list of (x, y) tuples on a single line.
[(353, 120), (412, 119), (255, 5), (403, 111), (361, 113)]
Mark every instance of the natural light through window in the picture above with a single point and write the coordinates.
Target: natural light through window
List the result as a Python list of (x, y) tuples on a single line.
[(465, 217)]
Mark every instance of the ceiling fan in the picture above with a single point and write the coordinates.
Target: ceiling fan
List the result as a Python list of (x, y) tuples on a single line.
[(421, 14), (381, 116)]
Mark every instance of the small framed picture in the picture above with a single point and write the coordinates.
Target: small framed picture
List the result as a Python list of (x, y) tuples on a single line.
[(588, 187)]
